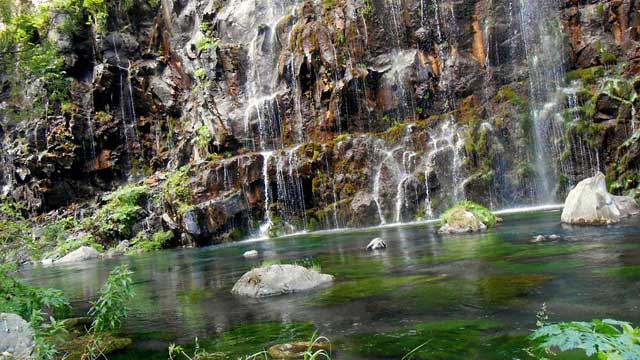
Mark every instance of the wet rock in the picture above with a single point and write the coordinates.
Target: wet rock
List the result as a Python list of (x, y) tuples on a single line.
[(83, 253), (75, 346), (461, 221), (554, 237), (539, 238), (274, 280), (589, 203), (17, 338), (251, 254), (364, 205), (377, 244), (296, 350)]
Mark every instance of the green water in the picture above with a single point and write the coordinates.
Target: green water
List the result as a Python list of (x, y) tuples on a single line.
[(468, 297)]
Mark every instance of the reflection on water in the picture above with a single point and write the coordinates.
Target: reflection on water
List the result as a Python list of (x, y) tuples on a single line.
[(489, 283)]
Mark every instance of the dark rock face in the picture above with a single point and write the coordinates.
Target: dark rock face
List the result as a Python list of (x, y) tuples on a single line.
[(373, 112)]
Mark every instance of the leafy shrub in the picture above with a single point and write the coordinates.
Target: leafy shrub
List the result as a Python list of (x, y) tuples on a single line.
[(122, 210), (175, 192), (23, 299), (606, 339), (156, 242), (482, 213), (111, 308)]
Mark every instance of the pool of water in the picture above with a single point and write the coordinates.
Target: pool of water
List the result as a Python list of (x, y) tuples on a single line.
[(468, 296)]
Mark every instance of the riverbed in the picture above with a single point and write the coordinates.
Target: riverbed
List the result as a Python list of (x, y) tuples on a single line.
[(469, 296)]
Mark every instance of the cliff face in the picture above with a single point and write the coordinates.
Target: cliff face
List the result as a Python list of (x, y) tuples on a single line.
[(352, 112)]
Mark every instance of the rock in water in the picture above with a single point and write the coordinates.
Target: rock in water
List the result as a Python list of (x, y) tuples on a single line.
[(461, 221), (17, 337), (296, 350), (276, 280), (376, 244), (251, 254), (83, 253), (589, 203)]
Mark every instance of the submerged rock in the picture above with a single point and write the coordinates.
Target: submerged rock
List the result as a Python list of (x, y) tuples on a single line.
[(296, 350), (83, 253), (251, 254), (589, 203), (274, 280), (17, 338), (461, 221), (377, 244)]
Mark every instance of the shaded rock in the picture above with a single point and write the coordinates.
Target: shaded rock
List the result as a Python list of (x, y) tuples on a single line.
[(364, 205), (376, 244), (83, 253), (276, 280), (251, 254), (17, 337), (75, 346), (296, 350), (589, 203), (461, 221)]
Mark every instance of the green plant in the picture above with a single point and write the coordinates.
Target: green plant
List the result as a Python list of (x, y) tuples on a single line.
[(156, 242), (175, 191), (200, 74), (203, 138), (606, 339), (206, 43), (122, 209), (111, 308)]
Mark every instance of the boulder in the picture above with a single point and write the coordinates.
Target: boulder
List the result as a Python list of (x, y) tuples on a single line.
[(376, 244), (17, 337), (276, 280), (461, 221), (251, 254), (296, 350), (82, 253), (589, 203)]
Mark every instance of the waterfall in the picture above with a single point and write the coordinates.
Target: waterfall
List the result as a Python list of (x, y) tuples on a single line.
[(266, 225), (127, 107), (376, 185), (544, 48)]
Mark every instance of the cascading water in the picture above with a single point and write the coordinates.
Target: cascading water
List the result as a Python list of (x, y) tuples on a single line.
[(266, 225)]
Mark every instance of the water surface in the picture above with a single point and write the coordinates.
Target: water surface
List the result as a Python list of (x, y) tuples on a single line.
[(470, 296)]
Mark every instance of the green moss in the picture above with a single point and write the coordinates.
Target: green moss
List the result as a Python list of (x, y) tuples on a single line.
[(176, 193), (255, 337), (348, 291), (507, 94), (453, 339), (588, 75), (157, 241), (482, 213), (626, 273)]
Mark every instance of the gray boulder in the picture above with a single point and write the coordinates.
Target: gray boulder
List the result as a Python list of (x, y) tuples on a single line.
[(589, 203), (251, 254), (82, 253), (17, 340), (274, 280)]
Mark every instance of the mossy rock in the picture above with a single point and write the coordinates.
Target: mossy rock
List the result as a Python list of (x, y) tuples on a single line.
[(454, 216), (296, 350), (76, 347)]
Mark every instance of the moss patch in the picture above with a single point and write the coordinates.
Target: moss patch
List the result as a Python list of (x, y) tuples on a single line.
[(454, 339), (480, 212), (625, 273)]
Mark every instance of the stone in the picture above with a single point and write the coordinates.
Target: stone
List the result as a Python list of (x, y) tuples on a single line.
[(82, 253), (589, 203), (17, 337), (539, 238), (46, 261), (461, 221), (296, 350), (554, 237), (377, 244), (274, 280), (251, 254)]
